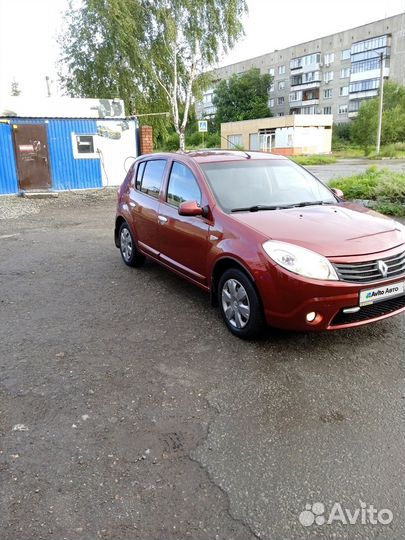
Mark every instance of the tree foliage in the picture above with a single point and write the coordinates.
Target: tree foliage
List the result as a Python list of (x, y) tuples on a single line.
[(364, 128), (150, 53), (15, 88), (242, 97)]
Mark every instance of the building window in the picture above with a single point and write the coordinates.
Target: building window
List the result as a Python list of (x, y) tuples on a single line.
[(371, 55), (345, 54), (328, 76), (311, 109), (254, 141), (234, 140), (307, 60), (329, 58), (304, 78), (363, 86), (271, 72), (369, 44), (271, 102), (344, 91), (271, 89), (327, 94), (366, 65), (280, 100), (281, 70), (295, 96), (207, 98), (327, 110), (342, 109), (85, 144), (280, 114), (281, 85), (344, 72)]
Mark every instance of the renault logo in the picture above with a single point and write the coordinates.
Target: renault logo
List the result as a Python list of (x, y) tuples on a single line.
[(382, 268)]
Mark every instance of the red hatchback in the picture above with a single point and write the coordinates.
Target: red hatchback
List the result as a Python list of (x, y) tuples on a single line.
[(269, 242)]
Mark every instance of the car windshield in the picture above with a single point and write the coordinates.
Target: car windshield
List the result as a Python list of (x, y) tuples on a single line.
[(254, 185)]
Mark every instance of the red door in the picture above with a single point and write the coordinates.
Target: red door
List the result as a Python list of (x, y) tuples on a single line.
[(143, 202), (31, 151), (183, 240)]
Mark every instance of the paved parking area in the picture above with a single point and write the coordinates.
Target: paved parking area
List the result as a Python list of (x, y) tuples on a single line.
[(128, 410)]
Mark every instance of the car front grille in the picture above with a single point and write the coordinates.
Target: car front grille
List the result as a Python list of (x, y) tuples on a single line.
[(368, 271), (370, 312)]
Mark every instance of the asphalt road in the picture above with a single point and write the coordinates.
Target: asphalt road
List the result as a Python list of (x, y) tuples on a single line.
[(129, 411), (348, 167)]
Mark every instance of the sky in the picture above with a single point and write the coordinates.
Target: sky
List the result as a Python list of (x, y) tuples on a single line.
[(29, 28)]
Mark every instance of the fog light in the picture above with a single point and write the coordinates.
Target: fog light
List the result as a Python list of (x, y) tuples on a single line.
[(311, 316)]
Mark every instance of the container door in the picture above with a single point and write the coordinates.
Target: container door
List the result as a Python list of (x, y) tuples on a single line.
[(31, 151)]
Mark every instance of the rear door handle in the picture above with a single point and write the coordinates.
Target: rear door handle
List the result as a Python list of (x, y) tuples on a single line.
[(162, 220)]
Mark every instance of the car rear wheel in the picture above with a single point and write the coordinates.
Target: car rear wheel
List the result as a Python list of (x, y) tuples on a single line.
[(240, 305), (130, 255)]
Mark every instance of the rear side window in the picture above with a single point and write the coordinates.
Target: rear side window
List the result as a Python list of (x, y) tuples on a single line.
[(139, 174), (182, 185), (152, 177)]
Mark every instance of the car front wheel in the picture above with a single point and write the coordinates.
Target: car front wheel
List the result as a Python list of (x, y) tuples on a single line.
[(240, 305), (130, 255)]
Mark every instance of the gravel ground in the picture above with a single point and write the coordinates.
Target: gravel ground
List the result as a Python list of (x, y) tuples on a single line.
[(127, 410), (14, 207)]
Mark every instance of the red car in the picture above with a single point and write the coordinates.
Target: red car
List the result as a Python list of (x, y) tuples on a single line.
[(269, 241)]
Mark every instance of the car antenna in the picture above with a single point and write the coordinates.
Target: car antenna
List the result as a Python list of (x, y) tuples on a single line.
[(248, 156)]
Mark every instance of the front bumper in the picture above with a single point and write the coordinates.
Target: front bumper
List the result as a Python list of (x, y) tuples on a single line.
[(288, 298)]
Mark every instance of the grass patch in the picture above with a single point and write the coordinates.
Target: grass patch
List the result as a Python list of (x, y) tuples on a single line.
[(392, 151), (349, 152), (385, 188), (314, 160)]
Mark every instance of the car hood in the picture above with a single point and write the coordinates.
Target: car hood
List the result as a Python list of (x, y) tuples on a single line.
[(333, 231)]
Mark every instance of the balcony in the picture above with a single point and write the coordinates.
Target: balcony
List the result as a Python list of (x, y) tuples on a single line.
[(303, 103), (305, 69), (306, 86)]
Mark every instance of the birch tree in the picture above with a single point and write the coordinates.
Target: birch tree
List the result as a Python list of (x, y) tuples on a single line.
[(151, 53)]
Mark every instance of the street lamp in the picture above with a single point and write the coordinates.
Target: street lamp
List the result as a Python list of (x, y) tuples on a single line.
[(380, 106)]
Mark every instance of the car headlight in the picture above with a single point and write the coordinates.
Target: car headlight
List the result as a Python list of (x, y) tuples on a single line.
[(300, 260)]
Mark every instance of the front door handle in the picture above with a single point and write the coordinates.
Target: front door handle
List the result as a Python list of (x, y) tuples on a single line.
[(162, 220)]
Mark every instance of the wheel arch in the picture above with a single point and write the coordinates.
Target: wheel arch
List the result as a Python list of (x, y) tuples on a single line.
[(119, 220), (222, 265)]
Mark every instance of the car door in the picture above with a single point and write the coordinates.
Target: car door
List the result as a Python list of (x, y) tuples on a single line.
[(144, 203), (183, 240)]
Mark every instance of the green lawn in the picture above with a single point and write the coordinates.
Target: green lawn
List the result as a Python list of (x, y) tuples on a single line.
[(314, 160)]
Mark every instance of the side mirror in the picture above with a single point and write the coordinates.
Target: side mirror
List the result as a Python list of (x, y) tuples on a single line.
[(190, 208), (338, 193)]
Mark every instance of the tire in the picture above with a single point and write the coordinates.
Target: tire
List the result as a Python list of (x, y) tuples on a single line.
[(129, 253), (240, 304)]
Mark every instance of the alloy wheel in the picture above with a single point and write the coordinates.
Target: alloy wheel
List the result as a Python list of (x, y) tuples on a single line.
[(235, 303)]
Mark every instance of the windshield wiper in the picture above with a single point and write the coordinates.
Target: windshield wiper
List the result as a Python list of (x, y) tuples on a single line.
[(310, 203), (258, 207)]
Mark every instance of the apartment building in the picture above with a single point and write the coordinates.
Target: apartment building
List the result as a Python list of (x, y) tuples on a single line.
[(329, 75)]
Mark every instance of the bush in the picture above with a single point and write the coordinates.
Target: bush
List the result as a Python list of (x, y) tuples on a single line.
[(171, 142), (213, 140), (314, 160), (194, 139), (386, 188)]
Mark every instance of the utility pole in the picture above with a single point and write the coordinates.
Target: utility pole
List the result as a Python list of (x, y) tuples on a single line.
[(48, 85), (380, 107)]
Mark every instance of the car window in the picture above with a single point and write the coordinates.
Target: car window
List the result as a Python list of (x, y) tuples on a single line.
[(139, 174), (263, 182), (153, 176), (182, 185)]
